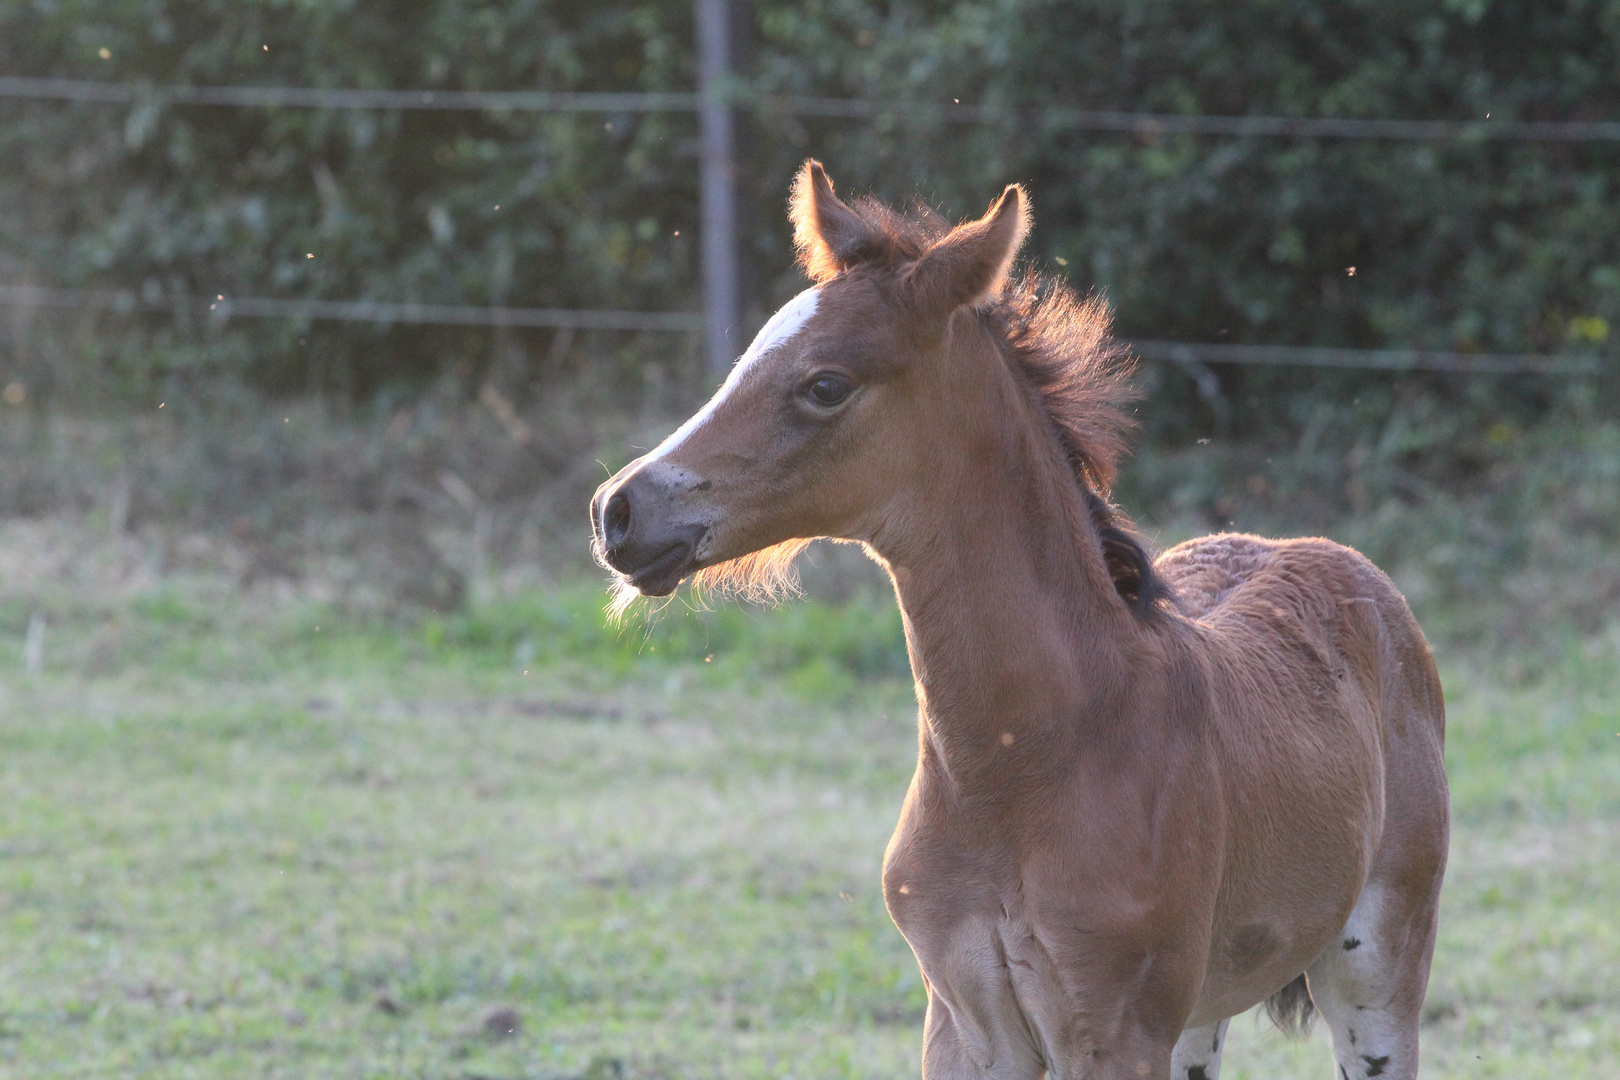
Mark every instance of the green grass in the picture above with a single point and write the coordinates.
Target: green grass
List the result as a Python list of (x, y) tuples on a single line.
[(249, 840)]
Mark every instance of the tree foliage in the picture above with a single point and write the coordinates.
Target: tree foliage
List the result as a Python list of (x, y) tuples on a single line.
[(561, 210), (1468, 245)]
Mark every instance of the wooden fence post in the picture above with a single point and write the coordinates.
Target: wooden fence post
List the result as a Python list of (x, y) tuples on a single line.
[(719, 188)]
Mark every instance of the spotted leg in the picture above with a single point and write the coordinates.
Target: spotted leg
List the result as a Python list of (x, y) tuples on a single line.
[(1197, 1055), (1369, 986)]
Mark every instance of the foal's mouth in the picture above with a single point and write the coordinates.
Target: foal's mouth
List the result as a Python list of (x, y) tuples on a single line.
[(664, 572)]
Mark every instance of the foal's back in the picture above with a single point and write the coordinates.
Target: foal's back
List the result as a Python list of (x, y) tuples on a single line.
[(1327, 724), (1298, 630)]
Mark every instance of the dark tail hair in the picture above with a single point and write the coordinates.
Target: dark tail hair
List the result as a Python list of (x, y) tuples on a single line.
[(1291, 1008)]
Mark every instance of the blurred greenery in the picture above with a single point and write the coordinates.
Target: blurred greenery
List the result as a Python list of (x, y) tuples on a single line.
[(424, 206), (1468, 245), (1503, 536), (822, 650), (1492, 497)]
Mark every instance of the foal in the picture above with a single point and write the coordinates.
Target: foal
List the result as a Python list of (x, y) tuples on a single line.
[(1148, 795)]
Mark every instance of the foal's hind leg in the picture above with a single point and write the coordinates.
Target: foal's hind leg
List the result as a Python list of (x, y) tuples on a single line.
[(1197, 1055), (1369, 983), (1369, 986)]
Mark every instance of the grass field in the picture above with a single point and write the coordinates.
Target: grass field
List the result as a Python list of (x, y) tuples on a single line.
[(244, 838)]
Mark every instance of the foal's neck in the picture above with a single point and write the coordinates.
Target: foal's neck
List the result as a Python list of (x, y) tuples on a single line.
[(1011, 617)]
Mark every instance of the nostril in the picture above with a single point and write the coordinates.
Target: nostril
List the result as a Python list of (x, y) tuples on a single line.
[(616, 520)]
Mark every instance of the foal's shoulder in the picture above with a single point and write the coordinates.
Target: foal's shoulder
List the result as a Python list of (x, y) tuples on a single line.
[(1205, 573)]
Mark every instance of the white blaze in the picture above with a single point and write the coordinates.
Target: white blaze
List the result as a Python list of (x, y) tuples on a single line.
[(782, 326)]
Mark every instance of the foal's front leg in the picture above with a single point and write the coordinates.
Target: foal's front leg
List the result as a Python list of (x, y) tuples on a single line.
[(975, 1028), (978, 1028), (959, 1046), (971, 1043)]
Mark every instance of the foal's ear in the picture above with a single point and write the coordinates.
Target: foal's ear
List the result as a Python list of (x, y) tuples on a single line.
[(827, 233), (969, 264)]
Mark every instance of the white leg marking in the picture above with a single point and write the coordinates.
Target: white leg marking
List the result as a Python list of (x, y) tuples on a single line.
[(1197, 1055), (1352, 983), (782, 326)]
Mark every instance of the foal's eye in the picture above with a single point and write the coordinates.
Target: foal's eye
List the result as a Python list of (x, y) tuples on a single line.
[(830, 389)]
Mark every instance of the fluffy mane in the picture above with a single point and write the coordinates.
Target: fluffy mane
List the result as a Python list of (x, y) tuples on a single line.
[(878, 235), (1062, 346)]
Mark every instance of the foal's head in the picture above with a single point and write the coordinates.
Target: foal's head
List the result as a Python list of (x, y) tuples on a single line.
[(856, 393)]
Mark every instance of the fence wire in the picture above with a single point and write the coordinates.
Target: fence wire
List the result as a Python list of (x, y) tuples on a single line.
[(222, 309), (1049, 117), (1189, 355)]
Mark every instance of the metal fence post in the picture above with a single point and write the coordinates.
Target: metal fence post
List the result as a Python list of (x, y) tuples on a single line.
[(719, 187)]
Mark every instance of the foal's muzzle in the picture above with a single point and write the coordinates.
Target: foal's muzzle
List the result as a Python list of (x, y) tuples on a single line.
[(641, 533)]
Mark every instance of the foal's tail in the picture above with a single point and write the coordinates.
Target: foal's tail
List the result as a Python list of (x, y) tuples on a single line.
[(1291, 1008)]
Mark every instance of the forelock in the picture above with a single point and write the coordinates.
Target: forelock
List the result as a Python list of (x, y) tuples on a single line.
[(889, 239)]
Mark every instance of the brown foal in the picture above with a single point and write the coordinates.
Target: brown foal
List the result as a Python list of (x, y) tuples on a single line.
[(1149, 794)]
